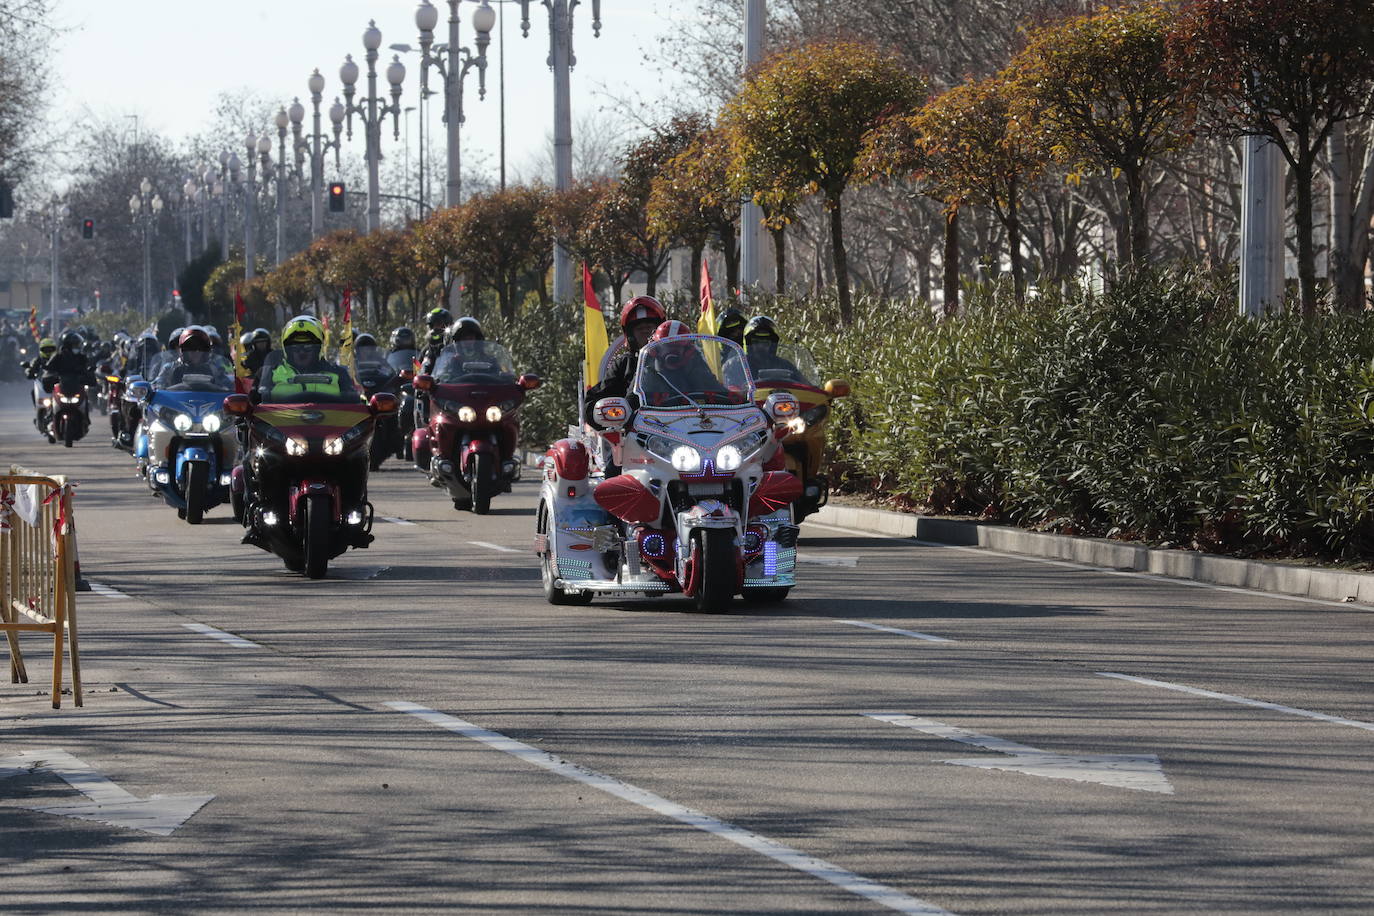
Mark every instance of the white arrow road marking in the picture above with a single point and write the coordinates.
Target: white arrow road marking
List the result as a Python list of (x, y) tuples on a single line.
[(396, 521), (236, 641), (1142, 772), (109, 804), (816, 559), (105, 591), (496, 547), (793, 858), (1244, 701), (877, 626)]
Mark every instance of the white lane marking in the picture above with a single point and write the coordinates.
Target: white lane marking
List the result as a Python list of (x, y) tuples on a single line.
[(1141, 772), (1243, 701), (1085, 567), (817, 559), (230, 638), (397, 521), (107, 802), (846, 880), (105, 591), (877, 626), (497, 547)]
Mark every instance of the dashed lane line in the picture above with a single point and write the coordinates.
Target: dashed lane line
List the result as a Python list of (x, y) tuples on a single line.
[(911, 633), (227, 638), (792, 858), (496, 547), (397, 521), (1243, 701), (105, 591)]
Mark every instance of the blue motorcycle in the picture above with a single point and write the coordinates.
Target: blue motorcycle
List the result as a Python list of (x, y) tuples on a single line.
[(186, 448)]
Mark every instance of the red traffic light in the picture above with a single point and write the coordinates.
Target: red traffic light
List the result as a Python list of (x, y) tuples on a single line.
[(336, 197), (88, 228)]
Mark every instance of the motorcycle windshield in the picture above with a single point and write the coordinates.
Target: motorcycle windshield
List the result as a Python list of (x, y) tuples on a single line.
[(474, 362), (695, 371), (372, 367), (196, 371), (776, 364), (312, 421), (401, 360)]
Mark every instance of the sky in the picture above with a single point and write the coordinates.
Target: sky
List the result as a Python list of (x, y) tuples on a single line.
[(166, 60)]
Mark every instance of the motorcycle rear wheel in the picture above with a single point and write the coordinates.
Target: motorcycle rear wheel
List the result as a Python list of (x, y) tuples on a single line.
[(319, 518), (196, 480), (718, 571), (483, 483)]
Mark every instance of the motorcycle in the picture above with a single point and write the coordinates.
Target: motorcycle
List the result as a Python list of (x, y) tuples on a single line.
[(792, 369), (185, 449), (376, 375), (304, 483), (114, 399), (469, 446), (686, 504), (406, 364), (69, 416)]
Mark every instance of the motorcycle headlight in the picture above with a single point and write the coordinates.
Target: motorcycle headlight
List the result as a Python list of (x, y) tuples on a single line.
[(686, 459), (466, 415), (211, 422), (728, 458), (493, 414), (334, 446), (797, 425), (47, 402), (182, 423), (296, 447)]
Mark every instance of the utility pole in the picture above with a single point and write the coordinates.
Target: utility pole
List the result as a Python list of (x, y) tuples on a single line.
[(1261, 227), (750, 216)]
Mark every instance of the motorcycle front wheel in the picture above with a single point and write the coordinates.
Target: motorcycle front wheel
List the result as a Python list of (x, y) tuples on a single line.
[(196, 480), (319, 518), (483, 483), (67, 437), (717, 571)]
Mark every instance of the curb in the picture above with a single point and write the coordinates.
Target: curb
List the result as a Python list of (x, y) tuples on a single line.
[(1256, 575)]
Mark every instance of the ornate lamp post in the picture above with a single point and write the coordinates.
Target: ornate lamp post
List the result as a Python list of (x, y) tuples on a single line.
[(453, 71), (316, 144), (373, 109), (284, 173), (145, 207), (258, 148), (561, 61), (60, 213)]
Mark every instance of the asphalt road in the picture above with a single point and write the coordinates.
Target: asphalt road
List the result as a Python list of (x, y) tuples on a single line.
[(420, 731)]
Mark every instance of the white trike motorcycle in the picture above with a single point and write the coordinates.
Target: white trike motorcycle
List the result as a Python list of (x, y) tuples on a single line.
[(692, 497)]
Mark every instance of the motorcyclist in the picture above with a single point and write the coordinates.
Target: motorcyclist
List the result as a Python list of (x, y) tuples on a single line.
[(761, 346), (402, 338), (195, 357), (640, 317), (47, 348), (677, 372), (68, 365), (459, 333), (144, 356), (301, 355), (730, 325), (438, 322), (256, 345)]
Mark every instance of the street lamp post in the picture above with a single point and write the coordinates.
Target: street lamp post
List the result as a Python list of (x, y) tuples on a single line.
[(145, 207), (259, 148), (190, 195), (316, 144), (373, 109), (60, 212), (221, 191), (750, 215), (454, 71), (284, 173), (561, 61)]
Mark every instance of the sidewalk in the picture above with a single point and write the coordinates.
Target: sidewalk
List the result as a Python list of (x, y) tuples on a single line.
[(1258, 575)]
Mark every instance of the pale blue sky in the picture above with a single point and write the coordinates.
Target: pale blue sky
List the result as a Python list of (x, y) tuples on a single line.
[(165, 60)]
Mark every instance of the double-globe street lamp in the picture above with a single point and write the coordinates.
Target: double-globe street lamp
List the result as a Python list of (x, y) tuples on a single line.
[(561, 62), (258, 148), (59, 212), (145, 207), (373, 109), (316, 144)]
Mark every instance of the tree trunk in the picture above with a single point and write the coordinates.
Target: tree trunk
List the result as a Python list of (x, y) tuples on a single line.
[(650, 271), (730, 249), (1137, 227), (951, 262), (693, 280), (841, 260), (1018, 278), (1307, 259), (1345, 275), (779, 260)]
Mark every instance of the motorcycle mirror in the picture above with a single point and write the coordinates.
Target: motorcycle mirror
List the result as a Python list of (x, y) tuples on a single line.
[(612, 413), (238, 405), (529, 381), (837, 388), (424, 382), (382, 402), (140, 391), (782, 406)]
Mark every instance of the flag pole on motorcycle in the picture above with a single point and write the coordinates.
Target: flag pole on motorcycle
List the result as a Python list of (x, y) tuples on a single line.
[(346, 333), (242, 377), (33, 325), (706, 322), (595, 341)]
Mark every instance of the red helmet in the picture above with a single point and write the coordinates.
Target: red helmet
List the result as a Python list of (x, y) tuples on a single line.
[(673, 355), (640, 308), (670, 329), (194, 339)]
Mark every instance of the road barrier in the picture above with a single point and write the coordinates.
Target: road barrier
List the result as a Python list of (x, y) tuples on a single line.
[(38, 571)]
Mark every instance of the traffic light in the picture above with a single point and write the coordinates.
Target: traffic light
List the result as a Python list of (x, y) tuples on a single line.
[(6, 200), (88, 228), (336, 197)]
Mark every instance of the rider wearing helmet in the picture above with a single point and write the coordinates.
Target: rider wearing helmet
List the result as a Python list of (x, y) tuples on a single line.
[(638, 319), (282, 372), (438, 321), (730, 325), (676, 371), (257, 345), (761, 345), (194, 357), (69, 364), (47, 349), (461, 331), (402, 338)]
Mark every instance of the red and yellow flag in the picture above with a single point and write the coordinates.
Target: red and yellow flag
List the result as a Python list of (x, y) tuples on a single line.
[(346, 333), (706, 322), (33, 324), (594, 327), (235, 345)]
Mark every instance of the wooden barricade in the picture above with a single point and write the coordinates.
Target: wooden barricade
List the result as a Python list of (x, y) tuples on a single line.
[(38, 571)]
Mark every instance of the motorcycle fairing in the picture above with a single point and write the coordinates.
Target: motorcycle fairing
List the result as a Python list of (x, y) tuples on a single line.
[(311, 421)]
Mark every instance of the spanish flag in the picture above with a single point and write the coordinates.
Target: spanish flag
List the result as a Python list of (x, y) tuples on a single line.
[(595, 337), (706, 322), (243, 379), (346, 333), (33, 324)]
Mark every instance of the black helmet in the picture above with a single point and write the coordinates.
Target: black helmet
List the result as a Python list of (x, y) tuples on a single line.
[(465, 325), (364, 340), (173, 337), (439, 319), (730, 324), (403, 339), (760, 327), (246, 339), (72, 341), (260, 334)]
